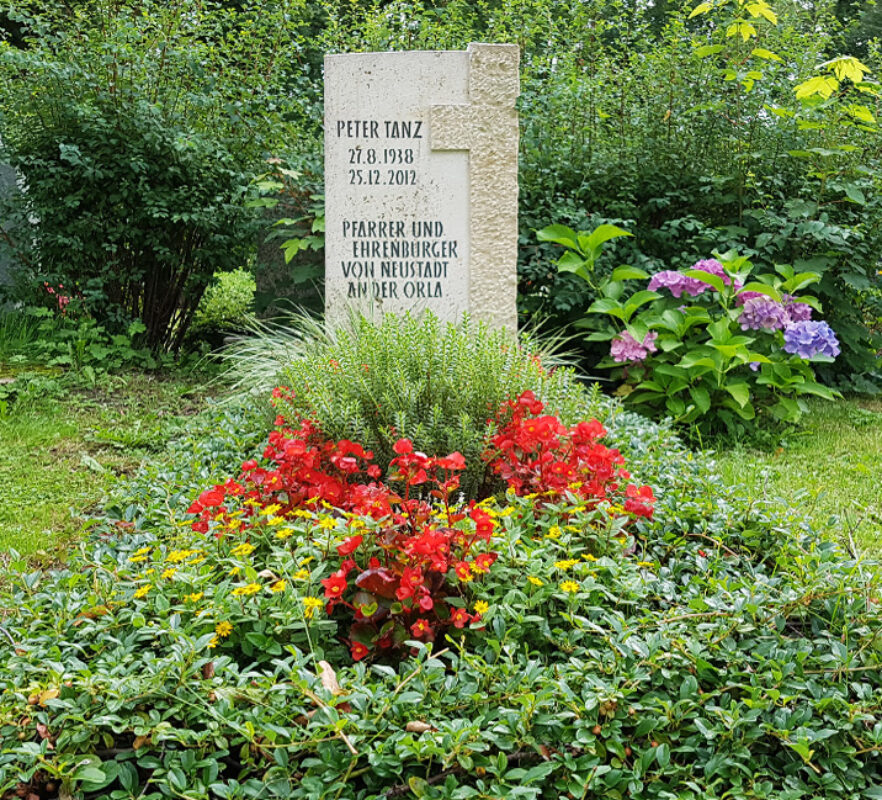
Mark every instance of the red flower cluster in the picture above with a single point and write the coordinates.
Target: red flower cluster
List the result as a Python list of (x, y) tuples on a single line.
[(538, 453), (401, 589)]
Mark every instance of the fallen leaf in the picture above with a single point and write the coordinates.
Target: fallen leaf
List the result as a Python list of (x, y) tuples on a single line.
[(208, 670), (329, 678), (418, 726), (140, 741)]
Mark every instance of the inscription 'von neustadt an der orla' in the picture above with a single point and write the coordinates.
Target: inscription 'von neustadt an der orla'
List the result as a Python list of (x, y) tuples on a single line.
[(399, 204)]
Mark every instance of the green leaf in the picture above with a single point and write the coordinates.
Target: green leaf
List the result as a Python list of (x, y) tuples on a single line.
[(768, 55), (701, 398), (740, 393), (559, 234), (606, 305), (708, 50), (573, 262), (628, 273), (854, 194), (603, 233), (701, 8), (706, 277), (762, 288)]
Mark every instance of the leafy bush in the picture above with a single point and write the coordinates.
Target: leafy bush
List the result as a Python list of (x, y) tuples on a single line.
[(124, 100), (436, 384), (227, 304), (736, 350)]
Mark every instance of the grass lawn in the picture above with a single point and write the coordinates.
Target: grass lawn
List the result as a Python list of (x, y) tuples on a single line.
[(833, 468), (59, 457)]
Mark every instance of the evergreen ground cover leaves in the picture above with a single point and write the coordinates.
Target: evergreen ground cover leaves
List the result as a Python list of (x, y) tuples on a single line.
[(721, 650)]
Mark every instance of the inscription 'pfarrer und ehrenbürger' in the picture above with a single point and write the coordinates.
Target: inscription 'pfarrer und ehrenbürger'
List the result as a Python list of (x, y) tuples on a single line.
[(425, 258)]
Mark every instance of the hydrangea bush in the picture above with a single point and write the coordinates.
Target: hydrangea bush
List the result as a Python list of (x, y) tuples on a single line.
[(713, 346)]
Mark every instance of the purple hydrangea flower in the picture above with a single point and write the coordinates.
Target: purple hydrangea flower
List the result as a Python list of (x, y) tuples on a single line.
[(714, 267), (626, 348), (754, 365), (798, 312), (763, 313), (742, 297), (808, 338), (677, 283)]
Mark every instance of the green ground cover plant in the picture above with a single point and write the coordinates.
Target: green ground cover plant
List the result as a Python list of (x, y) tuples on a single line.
[(715, 648), (831, 468)]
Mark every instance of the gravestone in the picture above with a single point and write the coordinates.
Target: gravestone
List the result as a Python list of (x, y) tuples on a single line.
[(421, 191), (8, 188)]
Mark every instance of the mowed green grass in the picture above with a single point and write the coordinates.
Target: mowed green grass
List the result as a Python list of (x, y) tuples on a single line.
[(832, 469), (59, 458)]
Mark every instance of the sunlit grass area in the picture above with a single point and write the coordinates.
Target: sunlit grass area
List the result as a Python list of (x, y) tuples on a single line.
[(833, 469)]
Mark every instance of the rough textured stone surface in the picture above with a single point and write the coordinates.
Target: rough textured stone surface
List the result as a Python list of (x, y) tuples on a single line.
[(421, 188)]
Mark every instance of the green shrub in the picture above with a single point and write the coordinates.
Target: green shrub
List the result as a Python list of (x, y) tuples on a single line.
[(438, 384), (138, 134), (228, 303)]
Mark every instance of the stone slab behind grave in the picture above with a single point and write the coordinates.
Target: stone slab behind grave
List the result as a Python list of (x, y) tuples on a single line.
[(421, 191)]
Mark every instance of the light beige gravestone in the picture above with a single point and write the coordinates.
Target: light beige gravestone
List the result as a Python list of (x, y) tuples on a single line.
[(421, 190)]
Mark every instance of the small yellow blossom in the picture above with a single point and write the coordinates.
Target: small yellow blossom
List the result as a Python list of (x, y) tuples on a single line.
[(573, 528), (243, 549), (326, 504), (589, 557), (302, 512), (285, 533), (149, 571), (198, 560), (220, 516), (568, 563), (645, 564), (482, 607), (168, 574), (176, 556), (301, 575), (195, 597), (306, 560), (310, 604), (553, 532), (243, 591), (570, 586), (276, 521), (143, 591), (535, 581), (327, 523), (137, 559), (223, 629), (506, 512), (141, 551), (235, 571), (270, 510), (356, 524), (213, 643)]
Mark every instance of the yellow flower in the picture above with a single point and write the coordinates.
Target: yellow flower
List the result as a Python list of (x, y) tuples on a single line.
[(506, 512), (553, 532), (481, 607), (143, 591), (169, 573), (568, 563), (220, 516), (570, 586), (235, 571), (243, 549), (356, 524), (271, 509), (137, 559), (176, 556), (149, 571), (141, 551), (306, 560), (278, 586), (535, 581), (327, 523), (285, 533), (276, 521), (302, 512), (194, 598), (198, 560), (310, 604), (213, 643), (241, 591), (223, 629), (589, 557), (301, 575), (645, 563), (326, 504)]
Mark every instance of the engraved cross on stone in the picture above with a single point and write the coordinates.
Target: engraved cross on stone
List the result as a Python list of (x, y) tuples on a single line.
[(488, 128)]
